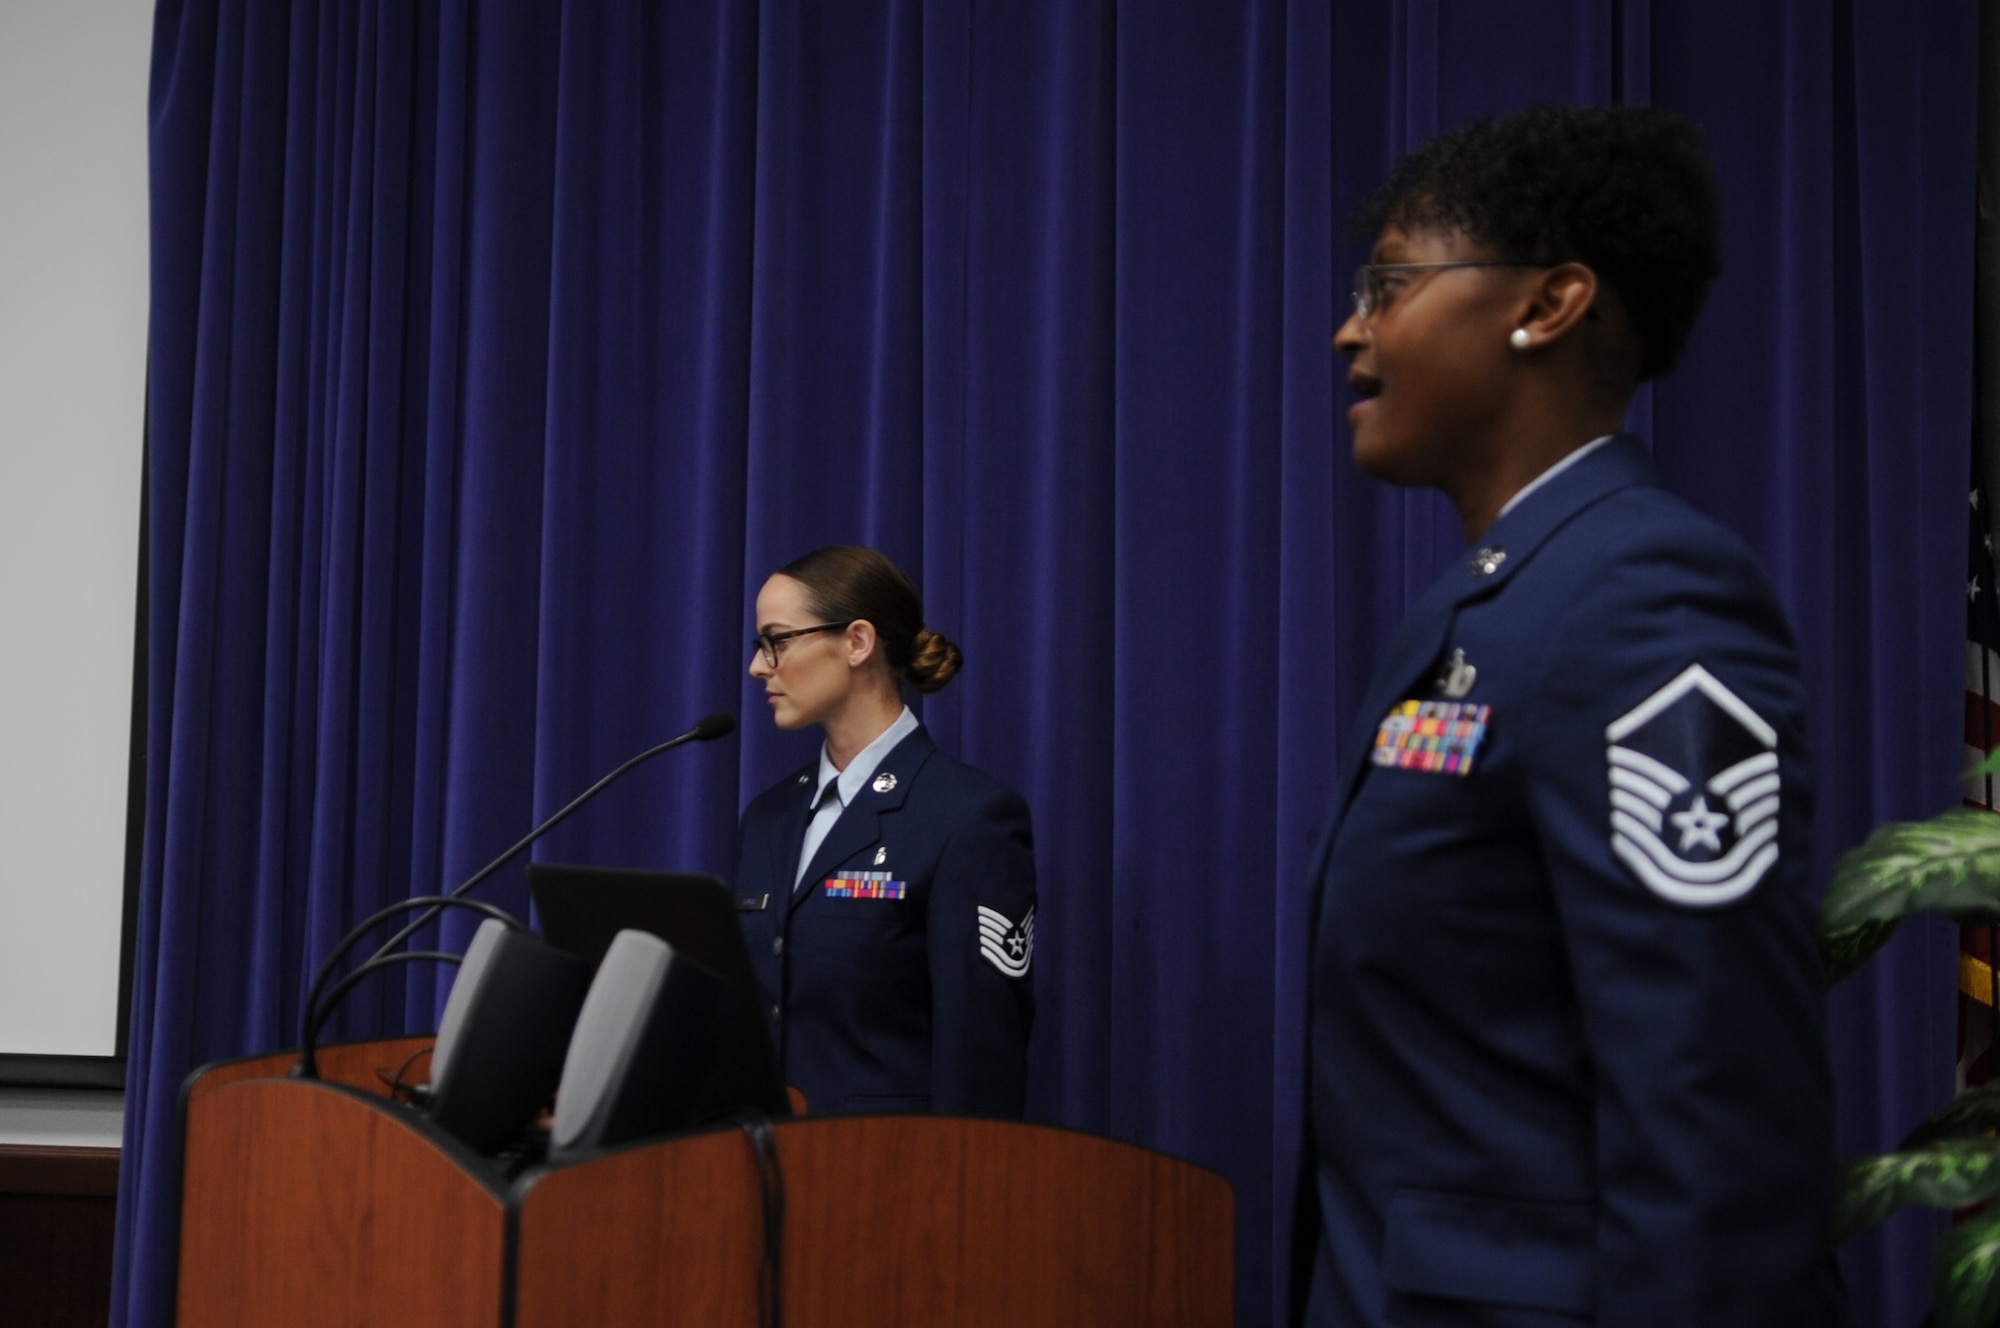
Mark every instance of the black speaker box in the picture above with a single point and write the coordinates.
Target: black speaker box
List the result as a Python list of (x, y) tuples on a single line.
[(645, 1043), (505, 1032)]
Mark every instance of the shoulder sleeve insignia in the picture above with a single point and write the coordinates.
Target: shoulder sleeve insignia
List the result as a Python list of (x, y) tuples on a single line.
[(1694, 791), (1008, 946)]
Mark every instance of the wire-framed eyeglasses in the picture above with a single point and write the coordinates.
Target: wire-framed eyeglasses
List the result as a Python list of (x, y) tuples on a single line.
[(771, 644), (1375, 286)]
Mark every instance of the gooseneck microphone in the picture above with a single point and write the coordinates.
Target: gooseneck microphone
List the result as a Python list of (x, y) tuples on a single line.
[(706, 729)]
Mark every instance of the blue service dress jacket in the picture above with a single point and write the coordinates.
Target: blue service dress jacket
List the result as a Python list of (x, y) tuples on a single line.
[(1567, 1059), (899, 974)]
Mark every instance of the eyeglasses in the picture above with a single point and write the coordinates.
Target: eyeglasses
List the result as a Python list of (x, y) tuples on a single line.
[(1374, 291), (768, 643)]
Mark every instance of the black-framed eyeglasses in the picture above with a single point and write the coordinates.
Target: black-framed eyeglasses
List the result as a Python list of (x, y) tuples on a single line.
[(1374, 292), (769, 643)]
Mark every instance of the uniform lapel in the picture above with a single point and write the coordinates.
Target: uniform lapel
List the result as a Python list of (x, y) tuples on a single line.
[(860, 823), (1618, 464), (785, 847), (1421, 640), (1417, 644)]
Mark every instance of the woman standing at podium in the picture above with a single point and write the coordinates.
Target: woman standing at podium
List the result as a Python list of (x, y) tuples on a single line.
[(887, 891)]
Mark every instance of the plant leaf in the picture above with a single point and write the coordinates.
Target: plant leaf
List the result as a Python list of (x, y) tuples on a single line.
[(1949, 864), (1849, 948), (1950, 1173), (1990, 766), (1970, 1115), (1965, 1287)]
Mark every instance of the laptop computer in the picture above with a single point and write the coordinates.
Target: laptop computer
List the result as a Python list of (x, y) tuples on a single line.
[(582, 910)]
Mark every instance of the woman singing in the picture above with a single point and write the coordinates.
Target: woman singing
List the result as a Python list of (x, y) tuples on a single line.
[(1567, 1058)]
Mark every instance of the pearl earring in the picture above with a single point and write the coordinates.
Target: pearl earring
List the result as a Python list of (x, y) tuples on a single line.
[(1520, 340)]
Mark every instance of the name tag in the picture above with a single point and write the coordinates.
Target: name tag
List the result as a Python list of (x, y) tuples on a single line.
[(1437, 737), (752, 903), (865, 885)]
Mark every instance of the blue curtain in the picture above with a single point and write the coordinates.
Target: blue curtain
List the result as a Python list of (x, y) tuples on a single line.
[(500, 350)]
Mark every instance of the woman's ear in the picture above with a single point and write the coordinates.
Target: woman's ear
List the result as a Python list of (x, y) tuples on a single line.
[(1563, 297), (861, 642)]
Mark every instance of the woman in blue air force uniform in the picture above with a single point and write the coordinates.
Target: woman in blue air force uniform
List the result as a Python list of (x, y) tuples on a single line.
[(887, 891), (1566, 1054)]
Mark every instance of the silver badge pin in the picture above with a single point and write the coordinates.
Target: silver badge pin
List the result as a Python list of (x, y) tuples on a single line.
[(805, 779), (881, 855), (1457, 679), (884, 782), (1487, 561)]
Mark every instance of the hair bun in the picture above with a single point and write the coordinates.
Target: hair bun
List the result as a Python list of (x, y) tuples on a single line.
[(934, 660)]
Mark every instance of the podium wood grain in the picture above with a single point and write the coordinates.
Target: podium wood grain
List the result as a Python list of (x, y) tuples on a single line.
[(357, 1064), (306, 1203), (317, 1203), (889, 1220)]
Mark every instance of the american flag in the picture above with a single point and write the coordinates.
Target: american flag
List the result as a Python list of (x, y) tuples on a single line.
[(1978, 985)]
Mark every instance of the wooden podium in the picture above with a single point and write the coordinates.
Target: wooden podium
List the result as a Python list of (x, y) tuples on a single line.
[(324, 1203)]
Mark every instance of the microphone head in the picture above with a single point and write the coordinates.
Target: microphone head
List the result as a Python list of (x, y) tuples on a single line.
[(710, 727)]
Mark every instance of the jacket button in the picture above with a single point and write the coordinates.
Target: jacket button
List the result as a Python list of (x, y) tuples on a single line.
[(777, 945), (775, 1014)]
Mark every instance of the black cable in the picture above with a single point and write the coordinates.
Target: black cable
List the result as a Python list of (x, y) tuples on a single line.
[(383, 914), (771, 1189), (308, 1067), (398, 1090)]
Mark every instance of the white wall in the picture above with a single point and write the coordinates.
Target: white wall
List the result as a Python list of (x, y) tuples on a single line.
[(73, 303), (61, 1118)]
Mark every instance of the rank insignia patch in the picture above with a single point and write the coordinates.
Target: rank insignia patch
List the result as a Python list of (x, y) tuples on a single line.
[(865, 885), (1008, 946), (1440, 737), (1694, 791)]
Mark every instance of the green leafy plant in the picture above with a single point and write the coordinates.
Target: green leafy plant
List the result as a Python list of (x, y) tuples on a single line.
[(1949, 865)]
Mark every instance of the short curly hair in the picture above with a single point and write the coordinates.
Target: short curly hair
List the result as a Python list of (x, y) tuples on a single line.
[(1626, 190)]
